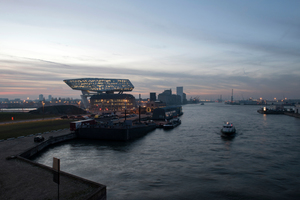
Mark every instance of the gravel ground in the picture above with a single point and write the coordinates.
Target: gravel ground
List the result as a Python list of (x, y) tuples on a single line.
[(21, 180)]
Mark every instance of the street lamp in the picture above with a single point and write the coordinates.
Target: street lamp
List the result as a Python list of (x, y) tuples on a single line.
[(125, 108), (43, 103)]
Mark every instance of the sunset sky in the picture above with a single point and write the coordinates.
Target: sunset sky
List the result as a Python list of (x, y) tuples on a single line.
[(207, 46)]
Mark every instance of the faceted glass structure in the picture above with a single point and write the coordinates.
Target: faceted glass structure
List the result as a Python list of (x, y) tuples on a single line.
[(100, 84), (97, 87)]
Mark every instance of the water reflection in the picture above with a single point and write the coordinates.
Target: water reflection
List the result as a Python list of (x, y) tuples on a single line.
[(228, 138), (121, 146)]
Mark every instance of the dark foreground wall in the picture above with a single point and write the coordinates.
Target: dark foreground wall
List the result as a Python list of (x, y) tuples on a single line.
[(98, 194), (115, 133)]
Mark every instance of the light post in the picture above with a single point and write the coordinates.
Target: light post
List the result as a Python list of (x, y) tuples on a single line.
[(43, 109), (139, 113), (125, 108)]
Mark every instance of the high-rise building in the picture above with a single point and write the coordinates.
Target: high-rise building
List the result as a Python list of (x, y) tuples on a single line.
[(168, 98), (152, 96), (50, 97), (180, 93), (165, 96), (41, 97)]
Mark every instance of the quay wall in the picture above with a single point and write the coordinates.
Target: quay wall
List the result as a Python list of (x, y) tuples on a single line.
[(98, 194), (52, 140), (292, 114), (114, 133)]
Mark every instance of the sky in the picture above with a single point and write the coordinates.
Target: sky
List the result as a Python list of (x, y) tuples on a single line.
[(207, 46)]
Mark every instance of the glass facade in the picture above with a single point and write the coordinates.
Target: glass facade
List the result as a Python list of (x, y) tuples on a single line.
[(102, 94), (112, 102), (100, 85)]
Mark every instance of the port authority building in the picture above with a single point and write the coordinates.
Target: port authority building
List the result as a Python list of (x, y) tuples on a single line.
[(104, 94)]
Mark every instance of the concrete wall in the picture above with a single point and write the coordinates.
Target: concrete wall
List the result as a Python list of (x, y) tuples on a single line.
[(99, 194), (52, 140)]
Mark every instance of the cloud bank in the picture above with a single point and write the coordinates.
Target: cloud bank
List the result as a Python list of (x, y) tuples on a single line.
[(207, 47)]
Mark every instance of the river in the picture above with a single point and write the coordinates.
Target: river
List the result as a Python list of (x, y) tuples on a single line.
[(193, 161), (16, 109)]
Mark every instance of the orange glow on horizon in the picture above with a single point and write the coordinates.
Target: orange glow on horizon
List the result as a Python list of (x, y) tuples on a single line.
[(14, 93)]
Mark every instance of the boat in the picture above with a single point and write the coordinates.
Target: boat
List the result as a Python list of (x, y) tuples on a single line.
[(271, 110), (172, 123), (228, 129)]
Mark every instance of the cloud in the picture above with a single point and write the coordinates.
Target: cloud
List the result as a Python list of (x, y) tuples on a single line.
[(42, 75), (206, 47)]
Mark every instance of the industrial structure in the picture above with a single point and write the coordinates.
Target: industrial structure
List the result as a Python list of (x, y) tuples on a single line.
[(102, 93), (152, 96), (173, 99)]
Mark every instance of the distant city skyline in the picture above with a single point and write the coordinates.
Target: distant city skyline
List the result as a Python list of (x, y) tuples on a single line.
[(211, 98), (208, 47)]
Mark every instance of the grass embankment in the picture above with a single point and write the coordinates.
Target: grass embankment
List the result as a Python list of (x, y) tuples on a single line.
[(7, 116), (28, 128)]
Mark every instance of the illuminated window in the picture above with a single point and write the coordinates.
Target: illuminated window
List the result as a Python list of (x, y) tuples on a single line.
[(103, 85)]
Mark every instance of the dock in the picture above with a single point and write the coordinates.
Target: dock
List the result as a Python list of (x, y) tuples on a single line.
[(297, 115), (25, 179), (121, 132)]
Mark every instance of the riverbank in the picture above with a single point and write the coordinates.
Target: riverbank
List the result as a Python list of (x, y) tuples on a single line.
[(193, 161), (23, 179), (292, 114), (19, 129), (15, 117)]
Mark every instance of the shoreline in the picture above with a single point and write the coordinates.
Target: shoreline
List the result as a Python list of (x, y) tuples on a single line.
[(296, 115), (24, 179)]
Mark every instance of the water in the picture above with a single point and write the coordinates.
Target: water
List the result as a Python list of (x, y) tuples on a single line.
[(16, 109), (193, 161)]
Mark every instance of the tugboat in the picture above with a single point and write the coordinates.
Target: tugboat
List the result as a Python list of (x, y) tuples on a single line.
[(172, 123), (228, 129)]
